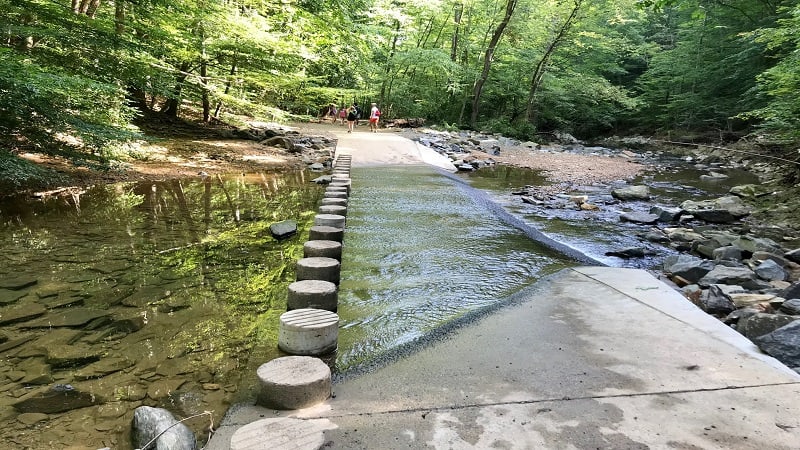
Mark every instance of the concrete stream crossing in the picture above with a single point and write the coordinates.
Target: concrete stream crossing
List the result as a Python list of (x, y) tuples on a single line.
[(590, 357)]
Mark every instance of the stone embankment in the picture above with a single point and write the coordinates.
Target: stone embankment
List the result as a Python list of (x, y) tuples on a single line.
[(749, 280)]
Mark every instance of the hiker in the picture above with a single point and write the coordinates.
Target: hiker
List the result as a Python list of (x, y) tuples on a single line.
[(343, 115), (352, 117), (374, 115)]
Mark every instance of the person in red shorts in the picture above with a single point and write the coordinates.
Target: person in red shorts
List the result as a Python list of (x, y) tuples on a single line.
[(374, 114)]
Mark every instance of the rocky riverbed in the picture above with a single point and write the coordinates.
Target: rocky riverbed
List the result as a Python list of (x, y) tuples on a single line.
[(719, 249)]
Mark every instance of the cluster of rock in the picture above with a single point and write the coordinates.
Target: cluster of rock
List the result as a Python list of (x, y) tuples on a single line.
[(466, 148), (313, 150)]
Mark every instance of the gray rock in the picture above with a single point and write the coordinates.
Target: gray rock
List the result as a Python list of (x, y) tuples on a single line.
[(791, 306), (280, 142), (740, 314), (749, 191), (16, 284), (770, 270), (21, 313), (55, 399), (8, 296), (783, 344), (284, 229), (793, 256), (750, 245), (73, 317), (150, 422), (760, 324), (639, 217), (631, 252), (666, 214), (727, 253), (639, 192), (684, 235), (325, 179), (722, 210), (687, 267), (717, 302), (316, 167), (728, 275), (657, 236)]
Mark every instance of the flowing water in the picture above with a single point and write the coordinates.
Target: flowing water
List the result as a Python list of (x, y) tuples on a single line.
[(169, 294)]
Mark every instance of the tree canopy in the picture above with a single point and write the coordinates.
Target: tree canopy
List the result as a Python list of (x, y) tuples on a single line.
[(76, 74)]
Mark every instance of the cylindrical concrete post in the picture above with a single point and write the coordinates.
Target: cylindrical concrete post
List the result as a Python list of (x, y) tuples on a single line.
[(326, 233), (316, 294), (308, 332), (334, 201), (337, 188), (334, 194), (318, 268), (330, 220), (341, 184), (325, 249), (333, 209), (293, 382)]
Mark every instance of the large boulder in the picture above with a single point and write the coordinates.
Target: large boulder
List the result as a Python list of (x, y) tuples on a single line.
[(687, 267), (717, 302), (728, 275), (771, 271), (284, 229), (639, 192), (726, 209), (149, 422), (760, 324), (783, 344)]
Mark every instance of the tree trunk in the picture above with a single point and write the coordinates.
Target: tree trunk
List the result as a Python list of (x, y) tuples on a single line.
[(458, 9), (487, 61), (171, 107), (541, 66), (227, 88), (119, 16)]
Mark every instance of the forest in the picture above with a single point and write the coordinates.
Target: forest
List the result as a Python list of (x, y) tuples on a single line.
[(80, 77)]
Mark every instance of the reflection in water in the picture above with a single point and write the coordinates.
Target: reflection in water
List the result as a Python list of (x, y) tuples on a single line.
[(162, 294), (420, 252)]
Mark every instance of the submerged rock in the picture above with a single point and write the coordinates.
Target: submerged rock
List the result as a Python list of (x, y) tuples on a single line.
[(55, 399), (631, 193), (149, 422)]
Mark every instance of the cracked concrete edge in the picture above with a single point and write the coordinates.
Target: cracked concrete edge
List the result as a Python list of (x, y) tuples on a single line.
[(644, 288)]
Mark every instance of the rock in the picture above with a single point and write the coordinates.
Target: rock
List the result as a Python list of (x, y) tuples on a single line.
[(8, 296), (631, 252), (687, 267), (150, 422), (750, 245), (749, 191), (727, 253), (744, 299), (657, 236), (793, 256), (64, 356), (73, 317), (316, 167), (760, 324), (16, 284), (791, 306), (666, 214), (639, 217), (31, 418), (722, 210), (639, 192), (770, 270), (280, 142), (283, 230), (783, 344), (55, 399), (325, 179), (738, 315), (717, 302), (714, 176), (683, 235), (102, 368), (21, 313), (728, 275)]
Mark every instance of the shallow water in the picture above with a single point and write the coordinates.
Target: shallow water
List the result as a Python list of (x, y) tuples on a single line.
[(420, 252), (163, 294)]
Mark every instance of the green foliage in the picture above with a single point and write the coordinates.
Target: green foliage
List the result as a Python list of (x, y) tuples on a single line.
[(16, 173)]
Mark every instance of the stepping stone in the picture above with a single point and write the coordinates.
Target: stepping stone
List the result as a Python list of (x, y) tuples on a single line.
[(334, 194), (283, 230), (308, 332), (333, 209), (334, 201), (326, 233), (324, 249), (293, 382), (330, 220), (318, 268), (315, 294), (281, 434)]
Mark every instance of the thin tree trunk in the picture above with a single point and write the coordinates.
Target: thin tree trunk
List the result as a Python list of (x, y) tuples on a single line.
[(227, 88), (541, 66), (389, 63), (171, 108), (458, 9), (487, 61)]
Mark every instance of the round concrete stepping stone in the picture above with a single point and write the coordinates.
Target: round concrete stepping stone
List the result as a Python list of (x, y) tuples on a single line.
[(330, 220), (317, 294), (308, 332), (293, 382), (333, 209), (318, 268), (279, 434), (334, 201), (326, 233), (329, 194), (337, 188), (325, 249)]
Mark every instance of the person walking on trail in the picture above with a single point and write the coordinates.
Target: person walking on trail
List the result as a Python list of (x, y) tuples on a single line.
[(352, 116), (343, 115), (374, 115)]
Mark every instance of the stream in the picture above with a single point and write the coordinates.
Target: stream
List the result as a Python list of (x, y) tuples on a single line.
[(169, 294)]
